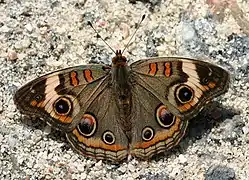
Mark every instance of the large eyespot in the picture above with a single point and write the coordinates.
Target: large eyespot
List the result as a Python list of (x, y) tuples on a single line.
[(62, 106), (147, 133), (88, 125), (164, 118), (184, 93), (108, 137)]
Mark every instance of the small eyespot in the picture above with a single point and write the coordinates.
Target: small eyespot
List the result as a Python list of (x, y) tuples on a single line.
[(184, 93), (88, 125), (38, 98), (164, 118), (205, 81), (62, 106), (147, 133), (108, 137)]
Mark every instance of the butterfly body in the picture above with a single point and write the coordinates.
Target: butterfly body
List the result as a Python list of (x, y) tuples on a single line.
[(121, 87), (112, 112)]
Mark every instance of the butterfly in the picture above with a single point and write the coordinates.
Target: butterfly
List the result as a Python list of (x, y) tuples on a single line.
[(117, 111), (112, 112)]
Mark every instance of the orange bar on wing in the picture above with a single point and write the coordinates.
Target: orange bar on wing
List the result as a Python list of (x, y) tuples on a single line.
[(88, 75), (167, 71), (74, 79), (153, 69)]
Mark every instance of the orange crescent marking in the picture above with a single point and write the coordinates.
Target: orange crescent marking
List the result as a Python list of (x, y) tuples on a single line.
[(187, 106), (62, 118), (33, 103), (153, 69), (193, 102), (182, 109), (88, 75), (160, 136), (206, 87), (40, 104), (97, 143), (74, 79), (65, 119), (202, 88), (167, 71), (211, 85)]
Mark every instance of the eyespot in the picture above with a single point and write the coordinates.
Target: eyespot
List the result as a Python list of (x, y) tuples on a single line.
[(164, 118), (38, 98), (147, 133), (108, 137), (184, 93), (88, 125), (205, 81), (62, 106)]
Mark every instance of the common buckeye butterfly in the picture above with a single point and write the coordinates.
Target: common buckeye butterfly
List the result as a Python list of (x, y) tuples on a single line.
[(111, 112)]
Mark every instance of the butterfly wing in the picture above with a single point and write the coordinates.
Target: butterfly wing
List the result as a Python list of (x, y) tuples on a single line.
[(79, 102), (99, 133), (154, 128), (62, 97), (166, 93), (183, 85)]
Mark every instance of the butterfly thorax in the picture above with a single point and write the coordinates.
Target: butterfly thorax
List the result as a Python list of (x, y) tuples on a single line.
[(120, 73), (121, 87)]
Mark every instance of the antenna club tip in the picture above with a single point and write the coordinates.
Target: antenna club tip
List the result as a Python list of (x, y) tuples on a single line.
[(89, 23), (143, 17)]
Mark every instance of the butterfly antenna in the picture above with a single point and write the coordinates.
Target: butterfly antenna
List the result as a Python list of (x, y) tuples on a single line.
[(98, 36), (139, 23)]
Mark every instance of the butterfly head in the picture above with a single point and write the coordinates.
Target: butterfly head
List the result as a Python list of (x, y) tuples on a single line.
[(119, 60)]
